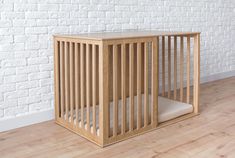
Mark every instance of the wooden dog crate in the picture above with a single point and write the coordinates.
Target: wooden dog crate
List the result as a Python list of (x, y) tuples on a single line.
[(113, 86)]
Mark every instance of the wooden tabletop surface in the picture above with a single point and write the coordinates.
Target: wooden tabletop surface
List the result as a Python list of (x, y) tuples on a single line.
[(124, 34)]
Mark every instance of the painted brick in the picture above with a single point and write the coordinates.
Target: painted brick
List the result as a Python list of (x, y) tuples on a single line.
[(14, 111), (38, 106), (24, 38), (39, 91), (6, 7), (39, 60), (6, 55), (39, 75), (24, 23), (25, 7), (29, 100), (8, 103), (5, 23), (27, 85), (27, 26), (27, 69), (15, 78), (7, 87), (47, 22), (69, 7), (13, 15), (9, 71), (25, 54), (1, 113), (13, 63), (16, 94), (36, 15), (46, 82), (48, 7), (36, 30), (6, 39), (47, 67)]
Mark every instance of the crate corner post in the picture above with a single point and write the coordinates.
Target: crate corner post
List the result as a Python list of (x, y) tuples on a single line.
[(196, 73), (103, 92), (56, 78)]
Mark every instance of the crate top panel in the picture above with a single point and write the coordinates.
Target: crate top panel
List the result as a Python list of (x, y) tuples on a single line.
[(124, 34)]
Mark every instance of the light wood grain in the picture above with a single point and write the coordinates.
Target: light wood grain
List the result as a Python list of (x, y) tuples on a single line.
[(131, 83), (139, 96), (77, 80), (163, 66), (196, 76), (94, 78), (62, 82), (126, 34), (154, 78), (175, 67), (146, 84), (71, 77), (66, 68), (123, 75), (103, 93), (188, 69), (82, 53), (115, 92), (181, 68), (56, 79), (88, 85), (169, 67)]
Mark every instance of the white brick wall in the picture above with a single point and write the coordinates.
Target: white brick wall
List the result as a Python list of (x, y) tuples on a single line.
[(27, 26)]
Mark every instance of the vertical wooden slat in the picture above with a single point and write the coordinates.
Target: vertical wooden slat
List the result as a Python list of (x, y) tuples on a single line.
[(94, 78), (88, 86), (131, 84), (169, 66), (175, 67), (163, 66), (82, 54), (71, 73), (146, 85), (67, 80), (181, 67), (139, 97), (62, 79), (115, 92), (154, 80), (158, 66), (188, 68), (109, 50), (77, 74), (56, 79), (123, 75), (196, 76)]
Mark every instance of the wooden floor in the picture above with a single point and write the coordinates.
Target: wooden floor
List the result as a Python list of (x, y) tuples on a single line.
[(209, 135)]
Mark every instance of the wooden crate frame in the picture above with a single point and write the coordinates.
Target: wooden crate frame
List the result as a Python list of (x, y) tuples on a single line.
[(80, 62)]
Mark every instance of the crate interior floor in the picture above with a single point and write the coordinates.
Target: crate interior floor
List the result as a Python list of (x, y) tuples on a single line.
[(208, 135), (167, 110)]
